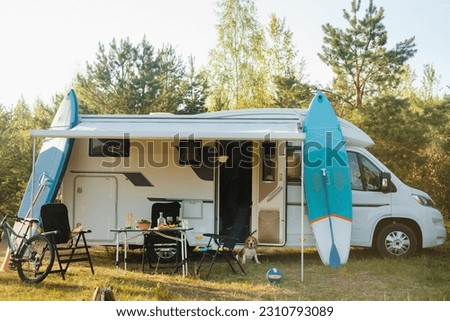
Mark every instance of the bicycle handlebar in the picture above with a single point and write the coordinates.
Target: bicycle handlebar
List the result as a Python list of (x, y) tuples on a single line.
[(19, 219)]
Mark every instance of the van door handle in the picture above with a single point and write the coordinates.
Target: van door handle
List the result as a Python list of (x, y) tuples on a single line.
[(274, 193)]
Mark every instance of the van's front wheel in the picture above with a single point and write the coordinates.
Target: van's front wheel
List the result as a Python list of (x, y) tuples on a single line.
[(397, 240)]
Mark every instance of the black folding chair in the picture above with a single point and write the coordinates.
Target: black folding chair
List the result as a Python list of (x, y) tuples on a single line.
[(70, 245), (219, 246), (165, 253), (159, 249)]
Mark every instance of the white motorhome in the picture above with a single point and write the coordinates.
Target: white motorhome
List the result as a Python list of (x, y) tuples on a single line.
[(234, 171)]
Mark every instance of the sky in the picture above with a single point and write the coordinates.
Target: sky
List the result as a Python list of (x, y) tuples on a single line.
[(45, 43)]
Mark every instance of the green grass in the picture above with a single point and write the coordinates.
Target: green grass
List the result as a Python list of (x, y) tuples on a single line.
[(365, 277)]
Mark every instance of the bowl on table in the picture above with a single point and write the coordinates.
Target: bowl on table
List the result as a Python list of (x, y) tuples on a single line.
[(143, 224)]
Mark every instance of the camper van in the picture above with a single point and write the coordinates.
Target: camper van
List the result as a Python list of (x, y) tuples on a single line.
[(232, 172)]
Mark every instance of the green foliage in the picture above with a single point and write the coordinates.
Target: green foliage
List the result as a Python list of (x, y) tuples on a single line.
[(281, 50), (411, 135), (290, 92), (253, 66), (15, 154), (287, 75), (257, 66), (237, 72), (5, 182), (170, 80), (132, 79), (396, 145), (362, 64), (16, 149), (433, 174), (373, 88), (366, 277), (195, 92)]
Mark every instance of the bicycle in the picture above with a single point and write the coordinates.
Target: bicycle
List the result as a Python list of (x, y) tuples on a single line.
[(33, 256)]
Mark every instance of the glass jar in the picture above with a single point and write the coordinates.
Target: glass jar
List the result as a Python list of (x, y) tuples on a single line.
[(161, 220)]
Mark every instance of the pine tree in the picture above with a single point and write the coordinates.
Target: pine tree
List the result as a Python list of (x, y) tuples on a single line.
[(362, 64), (169, 79), (131, 79), (15, 154), (195, 87)]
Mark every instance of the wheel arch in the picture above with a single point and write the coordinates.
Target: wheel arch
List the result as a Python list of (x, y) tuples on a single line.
[(398, 220)]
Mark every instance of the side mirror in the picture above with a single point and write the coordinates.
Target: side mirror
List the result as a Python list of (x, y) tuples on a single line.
[(385, 179)]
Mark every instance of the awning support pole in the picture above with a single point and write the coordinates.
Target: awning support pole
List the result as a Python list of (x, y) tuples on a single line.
[(32, 176), (302, 213)]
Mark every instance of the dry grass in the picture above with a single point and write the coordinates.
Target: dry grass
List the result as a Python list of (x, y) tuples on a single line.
[(365, 277)]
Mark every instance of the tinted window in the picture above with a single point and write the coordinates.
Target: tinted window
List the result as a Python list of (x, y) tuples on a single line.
[(371, 174), (103, 147), (365, 175), (269, 161), (355, 172), (190, 152), (293, 163)]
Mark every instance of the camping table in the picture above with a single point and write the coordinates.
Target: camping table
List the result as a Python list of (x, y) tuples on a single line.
[(164, 232)]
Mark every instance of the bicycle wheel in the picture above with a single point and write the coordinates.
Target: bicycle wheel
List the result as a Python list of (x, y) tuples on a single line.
[(35, 259)]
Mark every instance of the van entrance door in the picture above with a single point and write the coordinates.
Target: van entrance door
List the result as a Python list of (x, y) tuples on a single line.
[(269, 192), (234, 189), (95, 206)]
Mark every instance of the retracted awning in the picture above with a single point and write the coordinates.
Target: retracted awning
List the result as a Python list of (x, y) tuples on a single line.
[(259, 124), (182, 128)]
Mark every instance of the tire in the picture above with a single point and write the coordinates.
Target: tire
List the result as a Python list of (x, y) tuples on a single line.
[(36, 259), (397, 240)]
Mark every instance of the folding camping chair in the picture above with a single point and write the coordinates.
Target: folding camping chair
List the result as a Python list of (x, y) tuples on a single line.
[(70, 245), (219, 245), (157, 248)]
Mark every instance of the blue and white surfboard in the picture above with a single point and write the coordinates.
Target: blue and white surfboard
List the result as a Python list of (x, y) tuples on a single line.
[(327, 182), (51, 161)]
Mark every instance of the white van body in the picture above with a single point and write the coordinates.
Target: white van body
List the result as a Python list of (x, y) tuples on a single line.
[(188, 159)]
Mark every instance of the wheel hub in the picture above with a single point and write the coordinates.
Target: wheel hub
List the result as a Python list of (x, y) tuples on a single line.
[(397, 243)]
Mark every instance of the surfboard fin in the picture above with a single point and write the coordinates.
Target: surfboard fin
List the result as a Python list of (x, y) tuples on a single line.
[(335, 260)]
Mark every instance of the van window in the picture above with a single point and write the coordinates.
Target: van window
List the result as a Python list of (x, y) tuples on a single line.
[(190, 152), (371, 174), (365, 175), (269, 161), (293, 163), (355, 172), (106, 147)]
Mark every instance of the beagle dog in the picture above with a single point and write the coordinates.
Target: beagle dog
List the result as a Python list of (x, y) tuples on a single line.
[(248, 252)]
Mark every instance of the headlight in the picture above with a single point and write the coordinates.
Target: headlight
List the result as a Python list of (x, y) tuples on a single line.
[(425, 201)]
